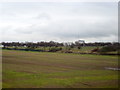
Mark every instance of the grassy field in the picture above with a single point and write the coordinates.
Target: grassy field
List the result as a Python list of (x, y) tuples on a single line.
[(25, 69)]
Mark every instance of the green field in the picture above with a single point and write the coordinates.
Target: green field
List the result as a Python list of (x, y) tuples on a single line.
[(25, 69)]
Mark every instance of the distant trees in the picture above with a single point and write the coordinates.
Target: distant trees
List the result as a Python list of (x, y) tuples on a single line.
[(52, 46), (55, 44), (31, 45)]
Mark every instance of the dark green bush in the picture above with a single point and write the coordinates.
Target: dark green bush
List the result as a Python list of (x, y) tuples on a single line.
[(79, 47), (55, 49), (109, 48)]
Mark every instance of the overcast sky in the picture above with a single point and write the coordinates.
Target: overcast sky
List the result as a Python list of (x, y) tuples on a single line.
[(59, 21)]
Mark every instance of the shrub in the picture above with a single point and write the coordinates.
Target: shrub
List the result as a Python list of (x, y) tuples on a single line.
[(95, 50), (109, 49), (79, 47), (55, 49), (69, 51), (71, 46)]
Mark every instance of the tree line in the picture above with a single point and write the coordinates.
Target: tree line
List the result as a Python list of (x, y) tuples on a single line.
[(55, 44)]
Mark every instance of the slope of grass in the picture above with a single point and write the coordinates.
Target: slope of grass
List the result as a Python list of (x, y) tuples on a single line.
[(24, 69)]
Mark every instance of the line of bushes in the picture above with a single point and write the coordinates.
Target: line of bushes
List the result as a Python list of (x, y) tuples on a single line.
[(53, 49), (23, 49), (108, 49)]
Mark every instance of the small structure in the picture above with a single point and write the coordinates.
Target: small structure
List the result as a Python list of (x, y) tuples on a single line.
[(81, 42)]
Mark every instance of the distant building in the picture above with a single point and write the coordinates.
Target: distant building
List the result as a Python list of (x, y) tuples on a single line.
[(81, 42), (1, 46)]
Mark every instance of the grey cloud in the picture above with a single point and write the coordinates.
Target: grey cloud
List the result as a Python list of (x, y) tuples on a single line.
[(67, 29)]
